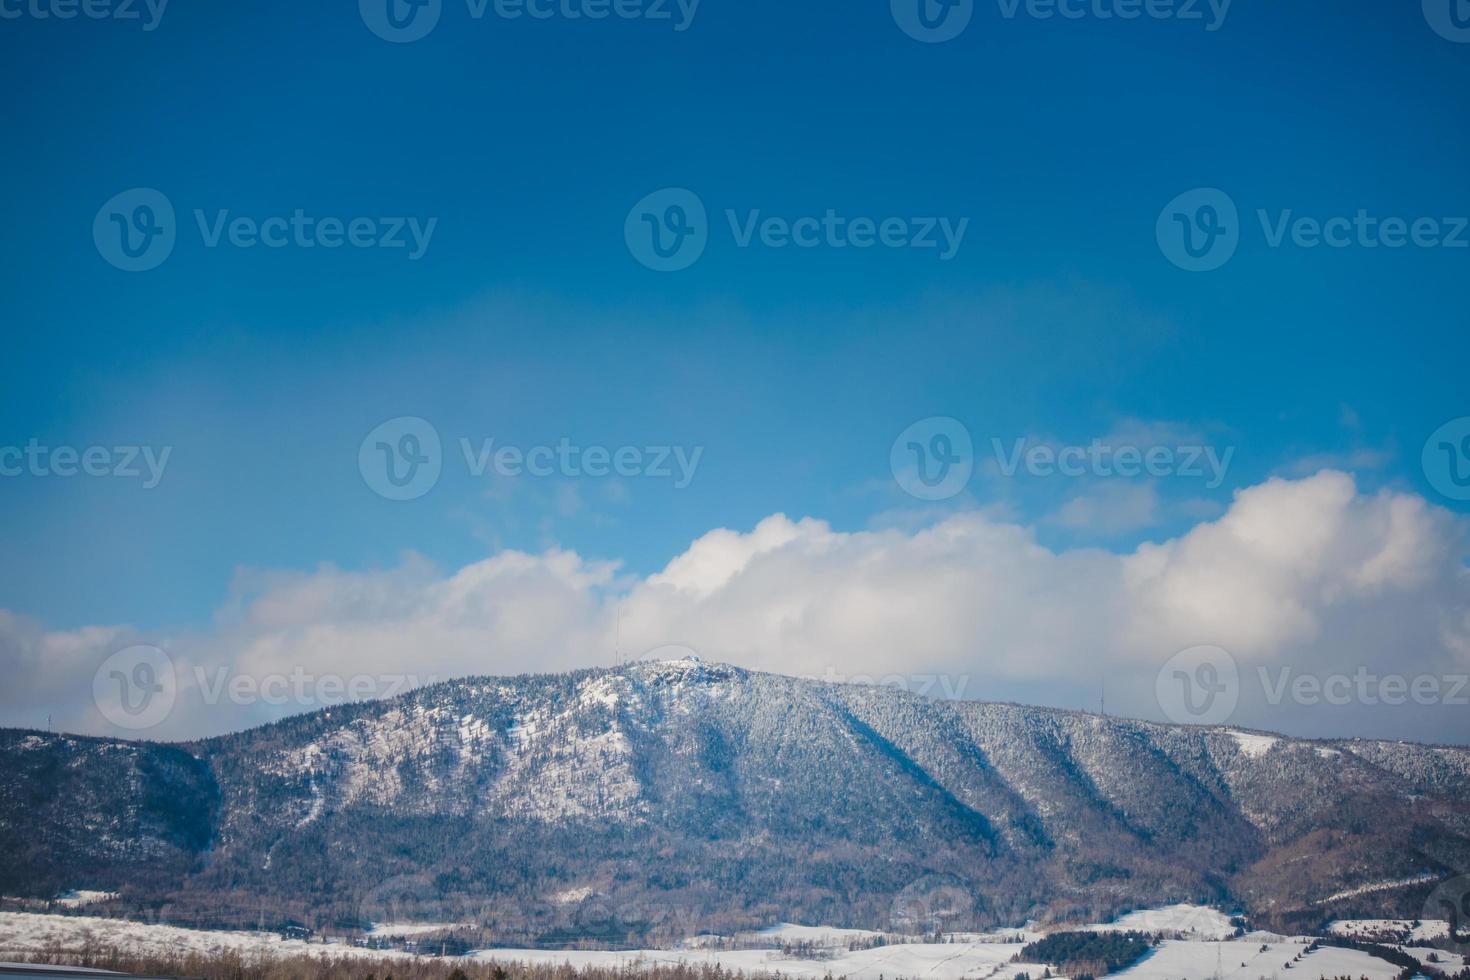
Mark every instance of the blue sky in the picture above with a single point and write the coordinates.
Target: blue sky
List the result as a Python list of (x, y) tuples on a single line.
[(526, 319)]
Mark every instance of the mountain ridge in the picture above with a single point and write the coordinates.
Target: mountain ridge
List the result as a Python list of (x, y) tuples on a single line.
[(681, 794)]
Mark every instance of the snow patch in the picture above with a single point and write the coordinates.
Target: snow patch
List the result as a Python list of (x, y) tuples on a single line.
[(572, 896), (78, 897), (1192, 920), (1379, 886), (1252, 744), (789, 932), (383, 929)]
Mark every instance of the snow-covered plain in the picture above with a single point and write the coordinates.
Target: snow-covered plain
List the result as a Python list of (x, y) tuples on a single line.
[(964, 958), (1400, 930), (941, 961), (788, 932), (1191, 920), (1245, 960), (30, 933)]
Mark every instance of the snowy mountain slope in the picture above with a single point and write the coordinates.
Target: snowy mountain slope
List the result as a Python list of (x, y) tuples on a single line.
[(666, 798)]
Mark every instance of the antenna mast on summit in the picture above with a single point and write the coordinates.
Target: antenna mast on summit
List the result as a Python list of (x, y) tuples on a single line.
[(618, 638)]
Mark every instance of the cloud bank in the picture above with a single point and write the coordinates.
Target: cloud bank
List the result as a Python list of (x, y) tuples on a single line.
[(1299, 577)]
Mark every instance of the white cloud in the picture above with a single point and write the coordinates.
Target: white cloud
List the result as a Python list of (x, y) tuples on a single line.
[(1306, 573), (1110, 508)]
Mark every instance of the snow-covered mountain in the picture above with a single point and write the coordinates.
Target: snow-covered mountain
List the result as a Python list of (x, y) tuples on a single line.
[(660, 799)]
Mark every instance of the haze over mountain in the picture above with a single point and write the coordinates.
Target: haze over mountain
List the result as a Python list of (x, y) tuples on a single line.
[(658, 799)]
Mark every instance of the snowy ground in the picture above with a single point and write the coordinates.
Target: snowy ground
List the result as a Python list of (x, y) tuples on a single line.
[(404, 929), (26, 932), (1192, 920), (940, 961), (1245, 960), (787, 932), (975, 958), (1397, 929)]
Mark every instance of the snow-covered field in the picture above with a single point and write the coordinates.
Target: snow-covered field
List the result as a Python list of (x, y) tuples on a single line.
[(404, 929), (1192, 920), (968, 958), (787, 932), (1245, 960), (941, 961), (1399, 929), (27, 932)]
